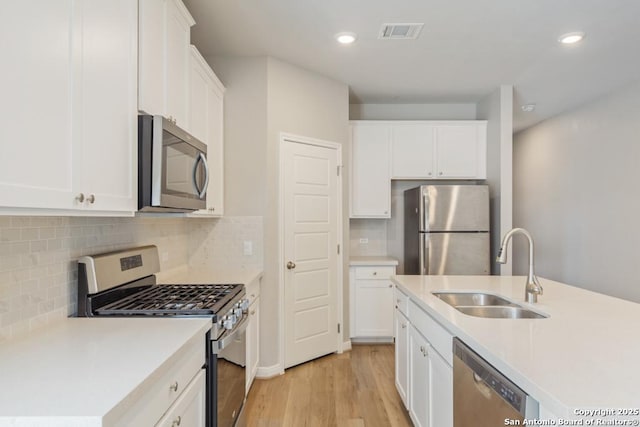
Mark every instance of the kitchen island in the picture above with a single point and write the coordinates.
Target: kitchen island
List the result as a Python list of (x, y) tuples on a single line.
[(582, 357)]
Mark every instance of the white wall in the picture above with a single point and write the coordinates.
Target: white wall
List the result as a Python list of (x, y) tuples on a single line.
[(497, 109), (576, 181), (245, 133), (461, 111), (265, 97)]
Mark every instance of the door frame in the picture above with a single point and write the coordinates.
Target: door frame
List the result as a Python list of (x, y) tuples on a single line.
[(297, 139)]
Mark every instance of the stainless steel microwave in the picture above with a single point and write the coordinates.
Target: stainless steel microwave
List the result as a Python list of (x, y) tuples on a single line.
[(173, 174)]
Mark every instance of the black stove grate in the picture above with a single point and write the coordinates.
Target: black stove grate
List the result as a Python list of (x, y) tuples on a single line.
[(173, 300)]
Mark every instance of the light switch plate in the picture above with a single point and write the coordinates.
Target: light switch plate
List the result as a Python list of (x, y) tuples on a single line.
[(364, 241)]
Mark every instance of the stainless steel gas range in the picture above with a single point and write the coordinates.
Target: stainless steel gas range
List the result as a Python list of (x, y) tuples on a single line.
[(123, 283)]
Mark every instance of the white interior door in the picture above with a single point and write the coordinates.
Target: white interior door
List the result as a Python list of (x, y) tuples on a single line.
[(310, 197)]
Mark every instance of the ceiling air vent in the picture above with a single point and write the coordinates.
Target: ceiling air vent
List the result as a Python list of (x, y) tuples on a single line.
[(400, 31)]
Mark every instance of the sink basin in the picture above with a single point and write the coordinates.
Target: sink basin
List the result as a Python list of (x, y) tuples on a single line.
[(490, 306), (500, 312), (471, 298)]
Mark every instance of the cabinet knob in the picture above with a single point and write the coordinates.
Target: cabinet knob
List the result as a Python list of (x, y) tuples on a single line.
[(375, 273), (440, 173), (253, 312), (391, 286), (91, 199), (404, 326), (429, 174), (386, 212), (174, 386), (176, 422), (80, 197), (291, 265)]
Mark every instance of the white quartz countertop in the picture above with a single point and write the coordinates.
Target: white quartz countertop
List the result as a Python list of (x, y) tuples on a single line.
[(585, 355), (79, 371), (372, 260)]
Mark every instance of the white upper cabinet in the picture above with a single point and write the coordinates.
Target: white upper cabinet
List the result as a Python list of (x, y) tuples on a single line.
[(70, 125), (424, 150), (439, 150), (370, 171), (164, 65), (206, 122), (461, 150), (413, 151)]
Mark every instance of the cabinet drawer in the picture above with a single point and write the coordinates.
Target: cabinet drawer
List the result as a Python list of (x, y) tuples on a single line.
[(373, 273), (166, 384), (189, 409), (401, 301), (439, 338)]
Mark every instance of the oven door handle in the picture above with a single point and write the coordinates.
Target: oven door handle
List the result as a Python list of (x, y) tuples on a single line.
[(227, 338)]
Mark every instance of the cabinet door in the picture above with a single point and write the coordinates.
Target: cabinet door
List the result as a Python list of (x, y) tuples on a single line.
[(374, 308), (206, 105), (457, 151), (419, 379), (177, 44), (151, 66), (371, 174), (441, 391), (106, 117), (189, 408), (412, 151), (253, 343), (402, 356), (37, 90)]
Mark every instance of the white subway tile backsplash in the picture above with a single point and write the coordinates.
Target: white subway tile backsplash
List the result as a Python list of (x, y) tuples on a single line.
[(38, 268)]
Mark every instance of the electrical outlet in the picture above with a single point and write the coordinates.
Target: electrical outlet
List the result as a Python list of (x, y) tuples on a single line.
[(248, 247), (364, 241)]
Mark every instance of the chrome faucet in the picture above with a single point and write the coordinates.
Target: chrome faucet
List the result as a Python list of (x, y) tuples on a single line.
[(532, 288)]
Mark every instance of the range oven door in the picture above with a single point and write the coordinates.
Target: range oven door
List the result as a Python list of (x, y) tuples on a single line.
[(228, 374)]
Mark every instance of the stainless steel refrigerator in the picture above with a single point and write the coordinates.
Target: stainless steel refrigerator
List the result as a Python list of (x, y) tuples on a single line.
[(446, 229)]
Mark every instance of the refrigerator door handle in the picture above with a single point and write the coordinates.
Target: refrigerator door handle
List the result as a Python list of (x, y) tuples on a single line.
[(424, 254), (424, 210)]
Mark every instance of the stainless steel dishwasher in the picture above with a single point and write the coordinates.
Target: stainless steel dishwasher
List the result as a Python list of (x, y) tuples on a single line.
[(482, 396)]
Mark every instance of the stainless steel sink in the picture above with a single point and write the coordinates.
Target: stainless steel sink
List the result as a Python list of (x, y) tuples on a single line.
[(500, 312), (480, 304), (474, 299)]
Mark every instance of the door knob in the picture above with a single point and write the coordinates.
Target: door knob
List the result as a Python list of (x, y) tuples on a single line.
[(291, 265)]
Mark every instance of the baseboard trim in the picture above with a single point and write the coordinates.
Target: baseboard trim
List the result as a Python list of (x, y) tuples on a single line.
[(264, 372), (372, 340), (346, 346)]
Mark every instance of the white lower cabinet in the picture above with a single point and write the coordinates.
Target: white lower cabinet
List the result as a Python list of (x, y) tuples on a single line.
[(372, 301), (253, 333), (189, 409), (424, 376), (177, 390), (419, 379), (402, 356)]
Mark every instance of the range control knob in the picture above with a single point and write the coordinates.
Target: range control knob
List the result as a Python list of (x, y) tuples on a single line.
[(229, 321), (237, 312), (244, 304)]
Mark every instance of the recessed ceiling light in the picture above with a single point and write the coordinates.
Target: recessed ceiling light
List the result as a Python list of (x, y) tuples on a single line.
[(528, 108), (571, 38), (346, 38)]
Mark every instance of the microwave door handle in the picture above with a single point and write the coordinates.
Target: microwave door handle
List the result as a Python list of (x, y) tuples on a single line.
[(203, 159)]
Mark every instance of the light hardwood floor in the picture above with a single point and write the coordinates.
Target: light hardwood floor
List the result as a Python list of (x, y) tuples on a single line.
[(353, 389)]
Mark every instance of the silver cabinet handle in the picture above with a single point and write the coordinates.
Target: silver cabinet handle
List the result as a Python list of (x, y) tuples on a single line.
[(176, 422), (391, 286), (80, 197), (291, 265), (91, 199), (174, 386)]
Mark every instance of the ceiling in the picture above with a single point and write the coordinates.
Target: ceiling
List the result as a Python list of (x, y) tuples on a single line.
[(466, 49)]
